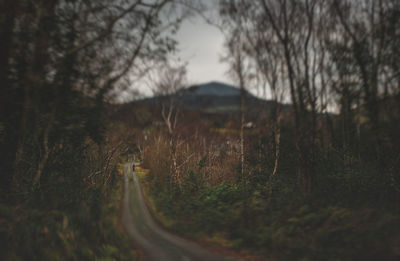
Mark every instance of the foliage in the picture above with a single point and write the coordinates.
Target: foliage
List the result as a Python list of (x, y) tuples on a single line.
[(87, 229)]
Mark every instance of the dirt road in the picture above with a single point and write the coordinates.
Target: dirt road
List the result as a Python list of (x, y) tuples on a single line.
[(157, 243)]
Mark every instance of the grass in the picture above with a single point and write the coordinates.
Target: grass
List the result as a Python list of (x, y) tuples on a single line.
[(151, 200)]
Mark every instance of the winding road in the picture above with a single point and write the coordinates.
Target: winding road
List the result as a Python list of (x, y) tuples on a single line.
[(156, 243)]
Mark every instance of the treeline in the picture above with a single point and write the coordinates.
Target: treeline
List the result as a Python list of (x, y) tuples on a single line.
[(61, 62), (325, 56), (318, 183)]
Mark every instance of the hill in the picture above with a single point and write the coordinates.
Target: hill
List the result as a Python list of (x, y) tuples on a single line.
[(215, 97), (213, 89)]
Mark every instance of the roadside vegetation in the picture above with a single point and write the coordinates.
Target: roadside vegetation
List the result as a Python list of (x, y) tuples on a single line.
[(68, 221), (351, 214)]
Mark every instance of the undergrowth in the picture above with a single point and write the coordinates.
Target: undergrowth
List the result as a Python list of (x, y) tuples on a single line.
[(350, 215), (89, 230)]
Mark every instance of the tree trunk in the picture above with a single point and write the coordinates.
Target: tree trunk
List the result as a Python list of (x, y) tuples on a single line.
[(242, 122), (9, 109)]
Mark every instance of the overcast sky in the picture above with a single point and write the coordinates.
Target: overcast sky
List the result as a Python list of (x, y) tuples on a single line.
[(201, 45)]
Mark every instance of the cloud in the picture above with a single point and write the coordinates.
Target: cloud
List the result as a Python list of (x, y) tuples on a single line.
[(201, 44)]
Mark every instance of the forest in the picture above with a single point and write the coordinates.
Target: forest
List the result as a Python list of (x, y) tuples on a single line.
[(315, 176)]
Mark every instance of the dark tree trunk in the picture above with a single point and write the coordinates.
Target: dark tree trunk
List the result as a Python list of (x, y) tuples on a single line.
[(9, 109)]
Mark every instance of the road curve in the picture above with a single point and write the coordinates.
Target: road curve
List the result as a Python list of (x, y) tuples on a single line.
[(157, 243)]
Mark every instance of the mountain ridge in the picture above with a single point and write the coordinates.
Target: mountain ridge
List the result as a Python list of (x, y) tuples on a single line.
[(214, 97), (213, 88)]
